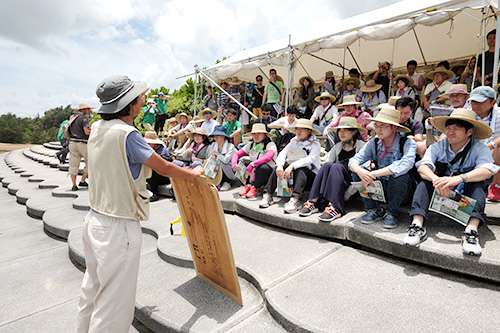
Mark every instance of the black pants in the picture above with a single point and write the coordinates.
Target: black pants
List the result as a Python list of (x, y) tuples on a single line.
[(303, 179), (156, 180), (160, 122), (262, 173)]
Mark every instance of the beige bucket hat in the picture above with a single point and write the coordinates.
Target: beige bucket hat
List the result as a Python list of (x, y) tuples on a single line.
[(349, 122), (200, 114), (152, 137), (325, 94), (449, 74), (371, 86), (390, 116), (304, 123), (483, 131), (179, 115), (349, 100), (259, 128)]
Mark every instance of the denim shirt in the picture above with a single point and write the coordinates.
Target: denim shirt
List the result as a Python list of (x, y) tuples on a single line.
[(479, 157), (398, 164)]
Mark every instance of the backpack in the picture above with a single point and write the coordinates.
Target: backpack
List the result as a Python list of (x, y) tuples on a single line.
[(65, 129)]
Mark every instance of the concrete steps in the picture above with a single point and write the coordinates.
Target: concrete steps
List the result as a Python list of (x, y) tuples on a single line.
[(294, 273)]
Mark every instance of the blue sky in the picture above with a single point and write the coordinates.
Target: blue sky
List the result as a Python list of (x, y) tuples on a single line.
[(55, 52)]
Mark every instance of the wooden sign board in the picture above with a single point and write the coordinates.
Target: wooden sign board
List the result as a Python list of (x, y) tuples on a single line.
[(205, 224)]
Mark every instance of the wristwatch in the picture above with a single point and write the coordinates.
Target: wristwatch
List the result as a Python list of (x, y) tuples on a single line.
[(494, 144), (464, 177)]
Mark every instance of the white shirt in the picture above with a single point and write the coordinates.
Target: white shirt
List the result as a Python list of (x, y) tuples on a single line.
[(330, 114), (284, 121), (209, 125), (493, 122)]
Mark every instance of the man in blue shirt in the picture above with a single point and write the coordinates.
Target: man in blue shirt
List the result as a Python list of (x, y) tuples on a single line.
[(459, 158)]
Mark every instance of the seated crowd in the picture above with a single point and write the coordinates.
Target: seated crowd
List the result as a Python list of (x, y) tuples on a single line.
[(421, 139)]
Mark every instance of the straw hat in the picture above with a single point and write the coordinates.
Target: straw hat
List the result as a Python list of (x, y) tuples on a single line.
[(482, 130), (371, 86), (178, 117), (349, 122), (455, 89), (301, 80), (171, 120), (495, 87), (409, 80), (234, 81), (197, 119), (220, 82), (304, 123), (152, 137), (449, 74), (328, 74), (200, 114), (199, 131), (348, 79), (390, 116), (82, 106), (259, 128), (325, 94), (349, 100), (116, 92), (391, 103)]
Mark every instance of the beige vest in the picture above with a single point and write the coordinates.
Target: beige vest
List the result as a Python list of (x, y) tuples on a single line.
[(112, 189)]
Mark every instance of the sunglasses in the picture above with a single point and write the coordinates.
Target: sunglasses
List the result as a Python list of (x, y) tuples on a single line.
[(259, 80), (205, 113), (348, 83), (324, 99)]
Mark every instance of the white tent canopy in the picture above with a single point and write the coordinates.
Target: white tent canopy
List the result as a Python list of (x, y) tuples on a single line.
[(444, 30)]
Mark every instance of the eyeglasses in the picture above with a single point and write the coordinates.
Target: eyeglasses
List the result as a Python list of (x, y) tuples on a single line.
[(376, 126), (259, 80), (324, 99)]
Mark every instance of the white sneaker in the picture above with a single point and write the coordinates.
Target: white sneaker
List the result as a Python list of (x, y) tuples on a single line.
[(470, 243), (225, 186), (351, 190), (416, 235), (292, 206), (267, 200)]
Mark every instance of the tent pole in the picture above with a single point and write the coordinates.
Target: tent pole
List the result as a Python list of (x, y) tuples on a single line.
[(265, 75), (352, 55), (419, 46), (329, 62), (343, 78), (289, 79), (225, 92), (497, 42), (483, 36), (305, 70), (195, 87)]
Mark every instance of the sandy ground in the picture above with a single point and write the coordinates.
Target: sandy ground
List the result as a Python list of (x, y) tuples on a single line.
[(5, 147)]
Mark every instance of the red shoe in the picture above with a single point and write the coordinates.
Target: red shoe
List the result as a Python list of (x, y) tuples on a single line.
[(245, 190), (253, 192), (494, 192)]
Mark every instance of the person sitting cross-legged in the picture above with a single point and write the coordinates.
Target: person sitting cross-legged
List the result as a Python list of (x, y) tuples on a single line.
[(459, 158), (394, 156), (328, 191)]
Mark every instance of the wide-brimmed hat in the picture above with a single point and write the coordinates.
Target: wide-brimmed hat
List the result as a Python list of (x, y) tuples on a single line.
[(152, 137), (354, 79), (179, 115), (198, 130), (200, 114), (304, 123), (220, 82), (328, 74), (197, 119), (259, 128), (349, 100), (235, 81), (482, 130), (404, 77), (371, 86), (449, 74), (349, 122), (495, 87), (173, 119), (390, 116), (391, 103), (301, 80), (325, 94), (457, 88), (150, 100), (118, 91), (82, 106), (220, 130)]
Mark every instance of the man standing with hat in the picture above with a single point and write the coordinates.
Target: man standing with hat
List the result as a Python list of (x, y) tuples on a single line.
[(79, 131), (483, 102), (457, 159), (120, 160)]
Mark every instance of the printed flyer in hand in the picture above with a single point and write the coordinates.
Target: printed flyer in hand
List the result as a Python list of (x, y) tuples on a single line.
[(456, 206), (374, 191)]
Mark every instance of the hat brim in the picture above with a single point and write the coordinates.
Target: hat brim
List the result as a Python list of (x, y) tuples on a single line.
[(449, 74), (313, 130), (371, 89), (219, 133), (179, 115), (155, 141), (190, 135), (269, 135), (200, 114), (360, 129), (400, 128), (483, 131), (349, 103), (410, 83), (118, 105), (357, 82), (331, 97)]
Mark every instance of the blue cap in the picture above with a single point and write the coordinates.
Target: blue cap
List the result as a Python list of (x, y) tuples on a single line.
[(220, 130), (482, 93), (160, 93)]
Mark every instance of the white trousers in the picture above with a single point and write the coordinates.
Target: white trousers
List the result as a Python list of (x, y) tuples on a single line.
[(112, 248)]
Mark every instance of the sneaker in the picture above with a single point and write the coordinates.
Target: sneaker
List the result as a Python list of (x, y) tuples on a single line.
[(266, 201), (416, 235), (373, 216), (390, 221), (308, 209), (351, 190), (153, 198), (225, 186), (470, 243), (494, 193), (253, 192), (83, 184), (245, 190), (329, 214), (74, 188), (292, 206)]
